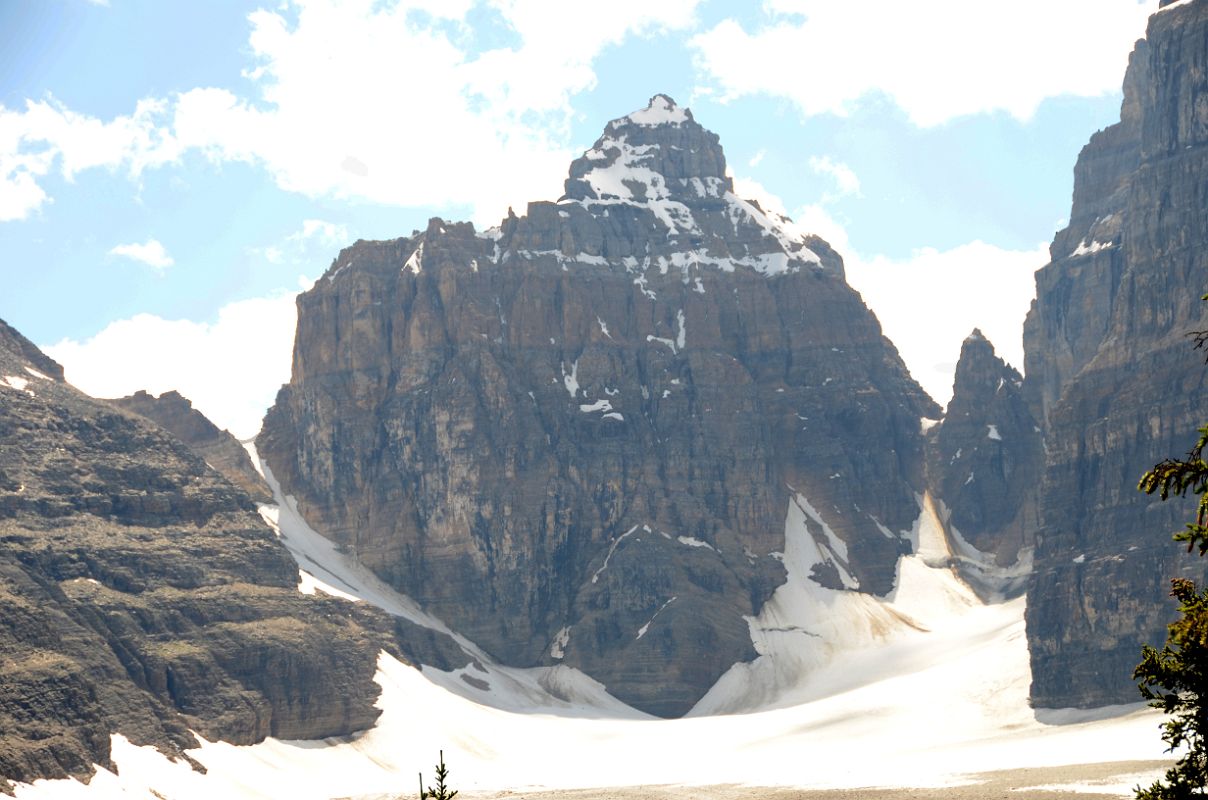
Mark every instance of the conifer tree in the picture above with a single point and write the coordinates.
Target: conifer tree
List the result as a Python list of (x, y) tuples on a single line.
[(441, 792), (1175, 678)]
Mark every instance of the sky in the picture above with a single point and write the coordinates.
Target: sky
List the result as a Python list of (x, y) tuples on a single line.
[(172, 174)]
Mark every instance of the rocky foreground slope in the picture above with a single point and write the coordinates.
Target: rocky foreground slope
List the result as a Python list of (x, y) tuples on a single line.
[(142, 594), (1111, 372), (575, 437)]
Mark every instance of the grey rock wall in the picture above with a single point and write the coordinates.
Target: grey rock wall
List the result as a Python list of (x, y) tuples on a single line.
[(984, 463), (574, 437), (1113, 375)]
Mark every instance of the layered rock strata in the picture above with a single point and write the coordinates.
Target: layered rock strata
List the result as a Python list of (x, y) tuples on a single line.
[(574, 437), (141, 594), (221, 450), (1111, 371), (984, 461)]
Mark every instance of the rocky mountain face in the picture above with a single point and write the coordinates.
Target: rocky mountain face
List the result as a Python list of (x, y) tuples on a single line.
[(1112, 374), (220, 449), (983, 464), (575, 437), (141, 594)]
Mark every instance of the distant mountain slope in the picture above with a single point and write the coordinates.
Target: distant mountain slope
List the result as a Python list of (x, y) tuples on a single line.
[(1112, 373), (576, 437), (141, 594), (220, 449)]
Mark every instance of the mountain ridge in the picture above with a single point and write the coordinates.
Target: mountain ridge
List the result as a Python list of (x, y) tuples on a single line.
[(143, 596), (627, 382)]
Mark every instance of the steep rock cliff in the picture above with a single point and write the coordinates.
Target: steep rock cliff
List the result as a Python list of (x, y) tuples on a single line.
[(1111, 371), (983, 463), (574, 437), (141, 593)]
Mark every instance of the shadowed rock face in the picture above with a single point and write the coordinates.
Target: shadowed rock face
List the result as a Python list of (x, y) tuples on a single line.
[(220, 449), (1111, 371), (141, 593), (574, 437), (984, 462)]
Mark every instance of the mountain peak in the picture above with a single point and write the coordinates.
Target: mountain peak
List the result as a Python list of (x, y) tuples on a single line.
[(661, 169), (661, 110), (980, 372), (657, 152), (16, 345)]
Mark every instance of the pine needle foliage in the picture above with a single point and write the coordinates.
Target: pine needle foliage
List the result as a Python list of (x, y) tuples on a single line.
[(1179, 478), (441, 792), (1175, 678)]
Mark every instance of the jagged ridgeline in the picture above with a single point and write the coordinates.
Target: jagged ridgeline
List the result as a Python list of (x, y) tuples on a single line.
[(574, 437)]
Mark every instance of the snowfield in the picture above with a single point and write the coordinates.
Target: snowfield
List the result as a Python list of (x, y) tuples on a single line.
[(922, 689)]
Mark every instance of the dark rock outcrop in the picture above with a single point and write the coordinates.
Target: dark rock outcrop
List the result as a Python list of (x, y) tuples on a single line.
[(1111, 371), (220, 449), (574, 437), (984, 461), (141, 594)]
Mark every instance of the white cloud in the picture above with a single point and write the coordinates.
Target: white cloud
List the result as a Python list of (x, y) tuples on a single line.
[(46, 132), (818, 220), (359, 100), (363, 100), (20, 168), (937, 60), (231, 369), (20, 194), (151, 253), (315, 239), (845, 179), (559, 46), (325, 234), (929, 302)]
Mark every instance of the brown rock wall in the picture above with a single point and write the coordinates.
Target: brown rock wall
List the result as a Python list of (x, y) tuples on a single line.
[(218, 448), (141, 594)]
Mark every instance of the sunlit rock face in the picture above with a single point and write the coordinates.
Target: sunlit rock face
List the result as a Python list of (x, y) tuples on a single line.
[(220, 449), (574, 437), (1111, 371), (142, 594)]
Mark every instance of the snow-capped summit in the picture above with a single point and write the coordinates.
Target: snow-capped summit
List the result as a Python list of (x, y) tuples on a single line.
[(625, 382), (660, 170), (661, 110)]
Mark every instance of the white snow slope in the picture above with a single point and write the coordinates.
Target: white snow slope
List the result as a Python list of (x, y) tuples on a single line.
[(917, 690)]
